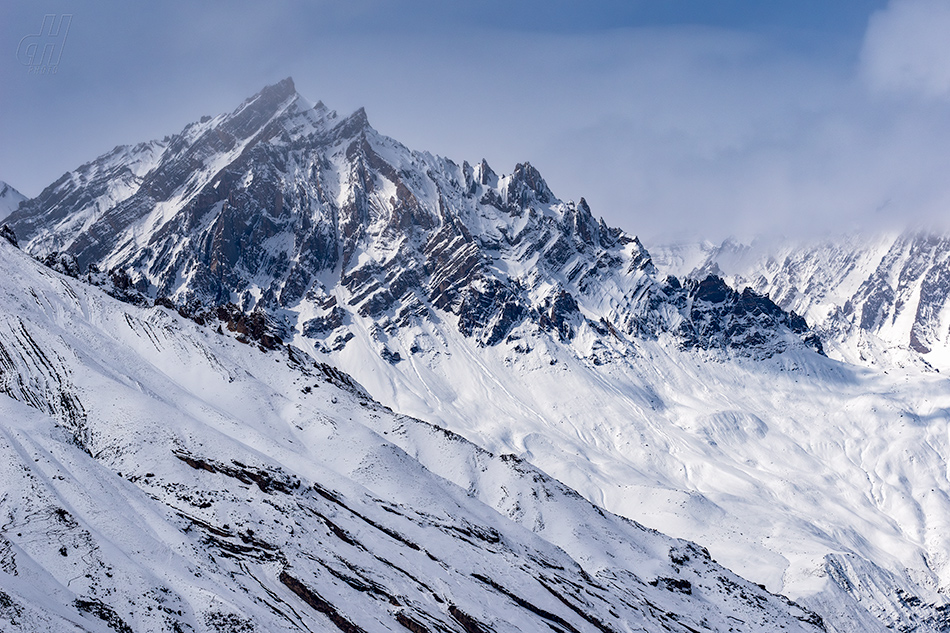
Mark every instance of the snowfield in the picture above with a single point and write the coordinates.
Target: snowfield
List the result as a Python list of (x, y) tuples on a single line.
[(821, 480), (159, 476)]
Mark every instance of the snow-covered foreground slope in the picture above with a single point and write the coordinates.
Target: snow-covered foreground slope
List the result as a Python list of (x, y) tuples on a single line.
[(158, 476)]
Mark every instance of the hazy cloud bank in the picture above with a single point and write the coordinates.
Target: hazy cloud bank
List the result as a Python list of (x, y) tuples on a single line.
[(708, 124)]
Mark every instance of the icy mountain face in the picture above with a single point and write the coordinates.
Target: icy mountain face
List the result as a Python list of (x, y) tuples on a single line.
[(876, 299), (157, 476), (288, 209), (10, 199), (484, 304)]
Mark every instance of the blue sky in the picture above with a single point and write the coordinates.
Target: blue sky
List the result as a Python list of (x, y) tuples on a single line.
[(715, 118)]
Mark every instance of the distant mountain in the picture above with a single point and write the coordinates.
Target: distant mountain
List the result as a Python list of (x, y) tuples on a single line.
[(483, 304), (10, 199), (877, 299)]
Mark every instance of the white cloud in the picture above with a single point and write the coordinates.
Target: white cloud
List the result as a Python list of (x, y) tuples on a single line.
[(712, 130), (907, 48)]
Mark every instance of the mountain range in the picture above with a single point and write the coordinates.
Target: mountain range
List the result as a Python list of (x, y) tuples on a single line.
[(878, 299), (387, 347)]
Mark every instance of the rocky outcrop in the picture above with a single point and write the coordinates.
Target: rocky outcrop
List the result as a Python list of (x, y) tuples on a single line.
[(876, 299)]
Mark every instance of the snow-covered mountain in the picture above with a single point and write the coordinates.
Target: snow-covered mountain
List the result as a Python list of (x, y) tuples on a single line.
[(483, 304), (877, 299), (10, 199), (284, 206), (158, 476)]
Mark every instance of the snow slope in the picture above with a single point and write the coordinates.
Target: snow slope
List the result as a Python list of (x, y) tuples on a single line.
[(819, 479), (158, 476)]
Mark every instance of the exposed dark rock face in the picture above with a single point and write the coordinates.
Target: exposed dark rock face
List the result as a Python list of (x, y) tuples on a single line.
[(64, 263), (283, 208), (7, 233), (560, 314), (721, 317), (874, 298), (322, 325)]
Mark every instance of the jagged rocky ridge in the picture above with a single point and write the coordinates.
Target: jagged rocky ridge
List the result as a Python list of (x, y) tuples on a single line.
[(878, 299), (319, 220), (157, 476)]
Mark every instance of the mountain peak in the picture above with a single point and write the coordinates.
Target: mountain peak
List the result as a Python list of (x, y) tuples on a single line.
[(283, 87), (269, 98), (300, 205), (583, 207), (354, 124), (10, 199), (359, 116), (526, 182), (484, 174)]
